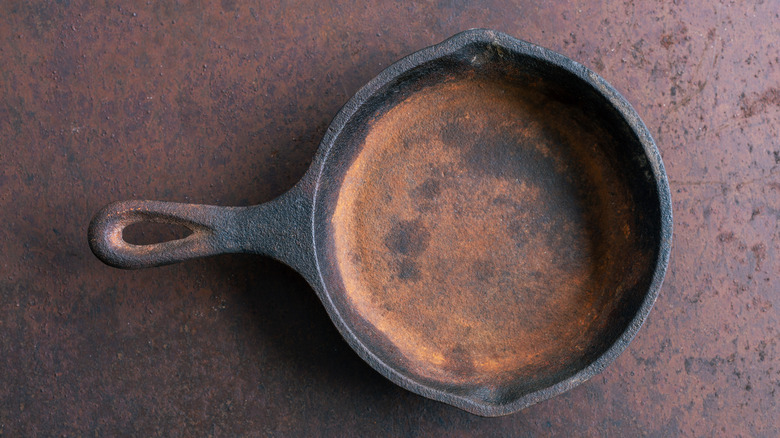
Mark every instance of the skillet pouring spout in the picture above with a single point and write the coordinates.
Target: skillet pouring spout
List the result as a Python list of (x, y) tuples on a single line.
[(487, 223)]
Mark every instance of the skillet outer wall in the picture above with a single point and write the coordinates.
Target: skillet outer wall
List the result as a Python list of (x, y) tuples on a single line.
[(523, 48)]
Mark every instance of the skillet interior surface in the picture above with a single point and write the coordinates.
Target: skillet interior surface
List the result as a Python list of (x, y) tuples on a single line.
[(487, 225)]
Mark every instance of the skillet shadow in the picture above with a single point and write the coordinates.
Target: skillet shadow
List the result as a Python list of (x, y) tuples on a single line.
[(288, 317)]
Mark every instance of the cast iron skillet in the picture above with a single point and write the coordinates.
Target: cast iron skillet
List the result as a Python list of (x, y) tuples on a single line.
[(487, 223)]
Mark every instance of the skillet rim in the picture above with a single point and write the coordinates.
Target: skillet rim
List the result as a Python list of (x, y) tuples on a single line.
[(601, 87)]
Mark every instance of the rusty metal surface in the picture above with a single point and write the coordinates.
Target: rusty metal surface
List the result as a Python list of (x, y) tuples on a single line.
[(464, 236), (228, 101)]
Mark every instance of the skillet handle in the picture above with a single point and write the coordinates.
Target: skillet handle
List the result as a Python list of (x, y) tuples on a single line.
[(212, 228)]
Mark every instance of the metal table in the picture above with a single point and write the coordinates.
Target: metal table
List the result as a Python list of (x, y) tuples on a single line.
[(224, 103)]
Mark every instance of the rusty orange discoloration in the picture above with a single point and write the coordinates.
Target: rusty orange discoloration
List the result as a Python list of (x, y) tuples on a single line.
[(472, 230)]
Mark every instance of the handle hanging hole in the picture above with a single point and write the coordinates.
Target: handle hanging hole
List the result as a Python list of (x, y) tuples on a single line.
[(147, 233)]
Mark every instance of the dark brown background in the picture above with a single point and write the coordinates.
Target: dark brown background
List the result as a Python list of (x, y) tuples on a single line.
[(225, 103)]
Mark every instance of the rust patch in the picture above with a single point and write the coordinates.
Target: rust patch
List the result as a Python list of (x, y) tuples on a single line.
[(756, 105), (482, 231), (407, 238)]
